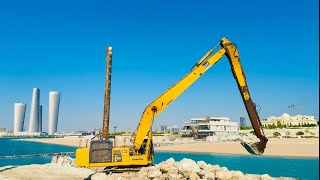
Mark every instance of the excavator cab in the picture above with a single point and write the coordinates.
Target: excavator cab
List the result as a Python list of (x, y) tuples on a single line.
[(143, 147)]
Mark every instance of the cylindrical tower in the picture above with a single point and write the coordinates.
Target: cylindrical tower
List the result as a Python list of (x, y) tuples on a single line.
[(40, 118), (19, 114), (34, 112), (54, 101)]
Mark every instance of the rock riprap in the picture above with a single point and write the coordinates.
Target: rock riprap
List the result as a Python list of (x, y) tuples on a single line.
[(63, 160), (185, 169)]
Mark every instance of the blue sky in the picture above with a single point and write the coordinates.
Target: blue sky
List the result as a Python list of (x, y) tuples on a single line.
[(60, 46)]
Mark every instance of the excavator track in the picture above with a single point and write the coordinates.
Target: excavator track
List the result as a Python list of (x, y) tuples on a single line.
[(116, 169)]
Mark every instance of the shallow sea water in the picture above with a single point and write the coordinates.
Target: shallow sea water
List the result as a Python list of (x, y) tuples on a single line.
[(304, 168)]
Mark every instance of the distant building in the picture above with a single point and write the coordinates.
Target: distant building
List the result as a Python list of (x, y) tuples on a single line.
[(163, 128), (243, 121), (34, 112), (40, 118), (19, 115), (209, 126), (97, 131), (286, 119), (26, 133), (173, 129), (85, 133), (54, 102)]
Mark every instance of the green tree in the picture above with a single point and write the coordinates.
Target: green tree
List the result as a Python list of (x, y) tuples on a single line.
[(272, 126), (300, 133), (245, 127), (157, 132), (279, 125), (276, 134), (120, 133)]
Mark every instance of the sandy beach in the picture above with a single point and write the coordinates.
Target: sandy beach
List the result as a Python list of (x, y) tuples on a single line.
[(43, 171), (294, 147), (273, 149)]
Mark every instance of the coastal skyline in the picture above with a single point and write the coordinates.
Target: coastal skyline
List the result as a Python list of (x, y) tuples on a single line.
[(61, 46)]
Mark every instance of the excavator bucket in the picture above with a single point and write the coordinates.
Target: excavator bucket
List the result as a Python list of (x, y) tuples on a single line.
[(256, 148)]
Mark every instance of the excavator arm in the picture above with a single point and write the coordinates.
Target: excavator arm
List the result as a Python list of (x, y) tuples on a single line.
[(232, 54), (209, 59)]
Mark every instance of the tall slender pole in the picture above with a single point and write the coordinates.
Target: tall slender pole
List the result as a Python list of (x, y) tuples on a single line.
[(293, 108), (107, 90)]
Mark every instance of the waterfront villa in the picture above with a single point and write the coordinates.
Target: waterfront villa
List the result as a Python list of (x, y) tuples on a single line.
[(286, 119), (209, 126)]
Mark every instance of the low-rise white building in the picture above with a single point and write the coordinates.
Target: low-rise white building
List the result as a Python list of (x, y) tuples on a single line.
[(3, 133), (209, 126), (286, 119), (20, 134)]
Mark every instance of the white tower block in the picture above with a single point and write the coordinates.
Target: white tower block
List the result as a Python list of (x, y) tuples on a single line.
[(40, 118), (34, 112), (54, 102), (19, 114)]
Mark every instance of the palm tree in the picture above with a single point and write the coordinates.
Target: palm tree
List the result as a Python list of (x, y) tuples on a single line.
[(194, 131), (288, 133), (312, 133), (307, 131)]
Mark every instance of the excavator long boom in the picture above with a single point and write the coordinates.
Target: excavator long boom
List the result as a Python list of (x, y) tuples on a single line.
[(209, 59)]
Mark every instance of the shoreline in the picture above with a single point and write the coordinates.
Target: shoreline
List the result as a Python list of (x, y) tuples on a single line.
[(46, 143), (234, 154), (276, 149)]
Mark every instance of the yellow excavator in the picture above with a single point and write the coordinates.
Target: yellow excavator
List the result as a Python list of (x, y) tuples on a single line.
[(101, 153)]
